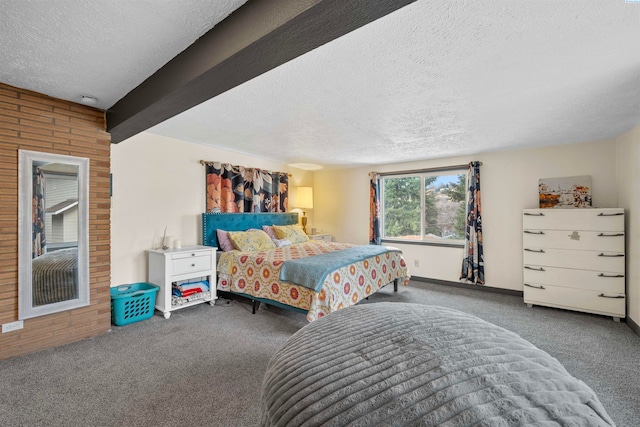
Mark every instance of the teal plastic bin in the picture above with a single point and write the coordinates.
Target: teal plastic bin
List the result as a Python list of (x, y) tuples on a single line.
[(132, 303)]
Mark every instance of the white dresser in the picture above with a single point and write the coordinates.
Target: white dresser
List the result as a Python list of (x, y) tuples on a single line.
[(176, 265), (575, 259)]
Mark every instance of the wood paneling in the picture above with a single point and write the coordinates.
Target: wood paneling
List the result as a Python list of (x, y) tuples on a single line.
[(32, 121)]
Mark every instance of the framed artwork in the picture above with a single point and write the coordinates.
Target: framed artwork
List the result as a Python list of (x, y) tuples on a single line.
[(565, 193)]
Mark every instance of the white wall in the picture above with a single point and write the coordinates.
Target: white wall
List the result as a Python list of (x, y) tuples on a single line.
[(509, 183), (628, 146), (159, 182)]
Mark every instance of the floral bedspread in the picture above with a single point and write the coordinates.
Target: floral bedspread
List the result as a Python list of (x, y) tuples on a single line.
[(257, 274)]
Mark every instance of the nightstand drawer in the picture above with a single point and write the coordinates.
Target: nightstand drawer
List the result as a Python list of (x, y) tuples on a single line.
[(191, 264), (324, 237)]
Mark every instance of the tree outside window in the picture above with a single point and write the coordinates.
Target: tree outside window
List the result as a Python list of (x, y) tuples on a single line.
[(424, 207)]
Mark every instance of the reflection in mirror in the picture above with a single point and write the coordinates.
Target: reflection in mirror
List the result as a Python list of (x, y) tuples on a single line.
[(53, 235)]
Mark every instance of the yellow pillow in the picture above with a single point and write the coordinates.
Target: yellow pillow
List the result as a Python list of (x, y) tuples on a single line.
[(292, 233), (250, 241)]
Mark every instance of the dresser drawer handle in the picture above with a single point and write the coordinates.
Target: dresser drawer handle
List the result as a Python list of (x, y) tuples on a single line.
[(536, 269), (536, 287), (610, 275), (611, 256), (193, 265), (610, 235), (534, 214), (607, 296), (533, 232), (541, 251), (613, 214), (193, 254)]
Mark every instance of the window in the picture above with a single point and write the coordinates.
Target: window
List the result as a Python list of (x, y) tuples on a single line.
[(427, 207)]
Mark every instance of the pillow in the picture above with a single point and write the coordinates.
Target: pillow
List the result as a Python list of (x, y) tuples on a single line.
[(223, 241), (293, 233), (250, 241), (280, 243), (269, 230)]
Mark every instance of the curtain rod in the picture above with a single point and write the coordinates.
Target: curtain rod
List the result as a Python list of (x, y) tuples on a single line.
[(205, 162), (438, 169)]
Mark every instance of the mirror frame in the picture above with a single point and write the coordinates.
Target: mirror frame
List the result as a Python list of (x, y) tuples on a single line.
[(26, 309)]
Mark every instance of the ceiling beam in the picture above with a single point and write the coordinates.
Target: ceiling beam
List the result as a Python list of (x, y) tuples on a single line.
[(259, 36)]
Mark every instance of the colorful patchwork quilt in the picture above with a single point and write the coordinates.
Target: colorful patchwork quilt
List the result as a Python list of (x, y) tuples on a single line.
[(257, 274)]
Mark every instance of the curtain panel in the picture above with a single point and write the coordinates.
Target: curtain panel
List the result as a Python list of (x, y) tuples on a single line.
[(37, 214), (232, 188), (473, 262), (374, 209)]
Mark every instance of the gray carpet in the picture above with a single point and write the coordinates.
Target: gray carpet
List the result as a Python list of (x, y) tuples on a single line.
[(204, 366)]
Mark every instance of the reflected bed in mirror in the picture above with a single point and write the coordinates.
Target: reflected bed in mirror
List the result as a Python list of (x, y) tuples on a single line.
[(53, 234)]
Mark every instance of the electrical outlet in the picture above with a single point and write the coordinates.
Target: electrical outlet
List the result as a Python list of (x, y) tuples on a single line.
[(13, 326), (416, 263)]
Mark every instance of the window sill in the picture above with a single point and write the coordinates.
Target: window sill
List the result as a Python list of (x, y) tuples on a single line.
[(424, 243)]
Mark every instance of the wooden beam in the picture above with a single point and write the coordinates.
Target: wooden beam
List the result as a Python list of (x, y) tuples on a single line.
[(259, 36)]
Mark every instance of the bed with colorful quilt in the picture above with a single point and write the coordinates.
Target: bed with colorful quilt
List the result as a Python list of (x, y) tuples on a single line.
[(267, 258)]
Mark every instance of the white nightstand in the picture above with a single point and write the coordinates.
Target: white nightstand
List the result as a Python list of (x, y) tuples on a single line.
[(174, 265), (321, 236)]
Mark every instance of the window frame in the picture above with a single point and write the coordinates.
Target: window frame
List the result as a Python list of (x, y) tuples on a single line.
[(422, 174)]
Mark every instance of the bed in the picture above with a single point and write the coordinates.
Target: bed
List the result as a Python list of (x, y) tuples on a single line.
[(401, 364), (355, 273), (55, 276)]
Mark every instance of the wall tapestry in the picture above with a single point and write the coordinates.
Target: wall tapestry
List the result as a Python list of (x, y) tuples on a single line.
[(233, 188), (565, 193)]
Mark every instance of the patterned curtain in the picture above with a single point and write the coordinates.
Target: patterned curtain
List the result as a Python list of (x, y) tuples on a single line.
[(233, 188), (374, 209), (473, 262), (37, 214)]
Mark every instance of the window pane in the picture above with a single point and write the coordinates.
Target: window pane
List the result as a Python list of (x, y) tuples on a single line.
[(427, 207), (444, 207), (401, 207)]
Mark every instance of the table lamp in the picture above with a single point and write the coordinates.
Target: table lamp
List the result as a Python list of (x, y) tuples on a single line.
[(304, 200)]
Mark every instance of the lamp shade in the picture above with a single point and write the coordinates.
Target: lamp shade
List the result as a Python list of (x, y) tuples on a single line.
[(304, 197)]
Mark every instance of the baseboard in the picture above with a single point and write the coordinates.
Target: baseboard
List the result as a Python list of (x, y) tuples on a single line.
[(633, 325), (468, 286)]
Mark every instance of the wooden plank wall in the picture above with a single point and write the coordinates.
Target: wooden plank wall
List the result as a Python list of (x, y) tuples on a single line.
[(32, 121)]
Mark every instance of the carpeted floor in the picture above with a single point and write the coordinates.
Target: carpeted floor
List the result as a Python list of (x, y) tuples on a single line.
[(204, 365)]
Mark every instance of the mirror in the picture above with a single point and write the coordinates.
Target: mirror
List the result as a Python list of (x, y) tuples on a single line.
[(53, 235)]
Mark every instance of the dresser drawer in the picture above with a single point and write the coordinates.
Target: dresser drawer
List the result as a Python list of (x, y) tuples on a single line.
[(612, 262), (577, 240), (569, 219), (191, 264), (571, 278), (611, 304)]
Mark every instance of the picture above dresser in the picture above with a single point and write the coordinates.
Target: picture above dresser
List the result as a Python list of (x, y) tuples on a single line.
[(575, 259)]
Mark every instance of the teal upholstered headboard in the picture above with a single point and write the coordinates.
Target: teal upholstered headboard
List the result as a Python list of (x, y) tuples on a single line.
[(240, 222)]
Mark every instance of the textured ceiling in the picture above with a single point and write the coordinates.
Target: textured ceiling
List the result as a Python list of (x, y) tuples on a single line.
[(439, 78), (436, 78), (67, 48)]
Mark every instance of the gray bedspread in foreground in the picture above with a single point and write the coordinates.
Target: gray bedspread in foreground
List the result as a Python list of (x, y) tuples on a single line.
[(55, 276), (398, 364)]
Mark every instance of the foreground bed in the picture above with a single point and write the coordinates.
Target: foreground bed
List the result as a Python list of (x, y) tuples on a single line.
[(259, 275), (408, 364)]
